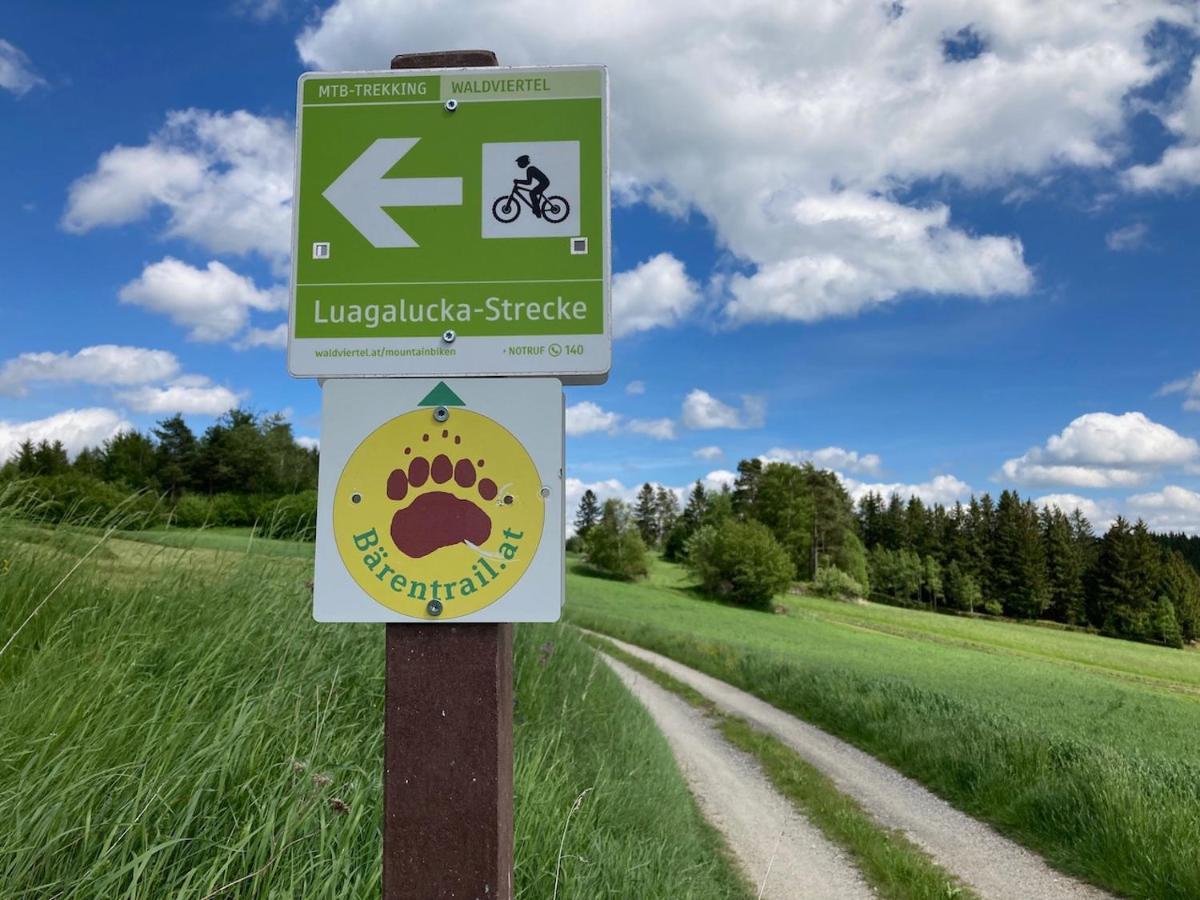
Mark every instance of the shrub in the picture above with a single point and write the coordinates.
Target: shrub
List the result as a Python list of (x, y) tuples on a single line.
[(575, 544), (614, 546), (193, 511), (740, 562), (836, 584)]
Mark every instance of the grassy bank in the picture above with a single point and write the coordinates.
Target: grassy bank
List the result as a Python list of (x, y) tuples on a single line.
[(1094, 764), (172, 723)]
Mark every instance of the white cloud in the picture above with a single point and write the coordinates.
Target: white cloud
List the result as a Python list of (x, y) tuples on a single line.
[(1099, 450), (1099, 513), (308, 443), (1179, 166), (795, 128), (828, 458), (719, 479), (587, 417), (659, 429), (1189, 387), (708, 453), (863, 251), (76, 428), (658, 293), (1130, 237), (225, 180), (194, 394), (944, 489), (100, 364), (214, 302), (1173, 508), (702, 410), (635, 388), (16, 71), (276, 338)]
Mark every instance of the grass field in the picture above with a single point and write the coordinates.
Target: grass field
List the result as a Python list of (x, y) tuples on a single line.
[(1084, 748), (173, 724)]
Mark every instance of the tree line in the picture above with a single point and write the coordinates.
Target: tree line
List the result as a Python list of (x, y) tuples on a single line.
[(1007, 557), (243, 469), (1010, 557)]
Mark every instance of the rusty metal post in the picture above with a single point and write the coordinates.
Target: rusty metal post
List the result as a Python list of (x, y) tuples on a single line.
[(448, 731)]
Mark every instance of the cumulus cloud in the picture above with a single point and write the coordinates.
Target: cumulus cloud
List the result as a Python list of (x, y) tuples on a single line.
[(796, 128), (828, 458), (275, 338), (1100, 450), (213, 302), (659, 429), (16, 71), (635, 388), (587, 417), (658, 293), (1099, 512), (224, 179), (701, 410), (709, 453), (1189, 387), (194, 394), (1179, 165), (944, 489), (718, 480), (1173, 508), (76, 428), (105, 364), (308, 443)]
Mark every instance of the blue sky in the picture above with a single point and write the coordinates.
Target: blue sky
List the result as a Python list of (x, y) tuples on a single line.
[(942, 253)]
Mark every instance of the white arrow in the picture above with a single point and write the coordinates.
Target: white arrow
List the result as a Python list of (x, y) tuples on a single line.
[(361, 192)]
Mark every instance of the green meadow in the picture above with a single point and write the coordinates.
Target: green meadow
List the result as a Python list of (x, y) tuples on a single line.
[(1085, 748), (174, 724)]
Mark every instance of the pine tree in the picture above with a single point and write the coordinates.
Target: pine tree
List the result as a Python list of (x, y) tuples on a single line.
[(176, 454), (892, 533), (1064, 568), (666, 506), (870, 519), (588, 513), (745, 487), (1018, 563), (645, 515), (697, 502), (25, 459)]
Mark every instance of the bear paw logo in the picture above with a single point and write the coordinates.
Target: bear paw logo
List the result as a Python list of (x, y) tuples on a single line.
[(437, 518)]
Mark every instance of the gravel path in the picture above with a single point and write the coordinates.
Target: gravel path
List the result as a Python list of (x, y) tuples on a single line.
[(770, 840), (997, 868)]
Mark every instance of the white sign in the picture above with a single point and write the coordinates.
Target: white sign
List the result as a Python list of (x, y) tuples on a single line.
[(440, 501)]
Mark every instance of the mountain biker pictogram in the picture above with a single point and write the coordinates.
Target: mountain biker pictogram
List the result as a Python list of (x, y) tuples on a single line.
[(530, 191)]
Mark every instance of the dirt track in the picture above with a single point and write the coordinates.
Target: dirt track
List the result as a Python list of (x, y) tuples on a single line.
[(997, 868), (780, 853)]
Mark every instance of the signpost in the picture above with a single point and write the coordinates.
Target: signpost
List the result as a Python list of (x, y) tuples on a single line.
[(450, 223)]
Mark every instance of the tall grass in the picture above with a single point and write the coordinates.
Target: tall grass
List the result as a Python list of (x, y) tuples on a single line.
[(173, 724), (1124, 813)]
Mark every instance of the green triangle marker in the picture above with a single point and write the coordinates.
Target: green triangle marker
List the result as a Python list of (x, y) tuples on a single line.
[(442, 396)]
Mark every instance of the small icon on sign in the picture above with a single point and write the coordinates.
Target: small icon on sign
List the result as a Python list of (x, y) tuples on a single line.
[(321, 250), (531, 191), (555, 349), (579, 246)]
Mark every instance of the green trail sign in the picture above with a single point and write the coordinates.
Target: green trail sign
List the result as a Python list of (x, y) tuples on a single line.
[(452, 222)]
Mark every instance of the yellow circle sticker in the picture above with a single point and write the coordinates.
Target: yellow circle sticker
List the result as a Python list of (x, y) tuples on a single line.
[(437, 520)]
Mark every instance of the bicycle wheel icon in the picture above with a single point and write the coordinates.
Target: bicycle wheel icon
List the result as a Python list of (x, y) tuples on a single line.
[(555, 209), (506, 208)]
